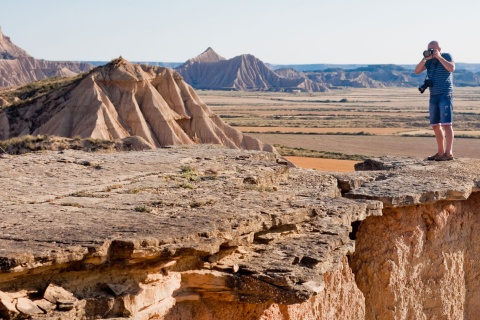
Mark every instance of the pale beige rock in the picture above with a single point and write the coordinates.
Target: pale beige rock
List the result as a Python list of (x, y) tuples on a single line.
[(339, 299), (45, 305), (26, 306), (152, 106), (54, 294), (7, 307), (430, 266), (150, 298)]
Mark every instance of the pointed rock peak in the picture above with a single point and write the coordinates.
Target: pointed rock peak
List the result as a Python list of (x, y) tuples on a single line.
[(8, 50), (208, 55), (121, 69), (118, 62)]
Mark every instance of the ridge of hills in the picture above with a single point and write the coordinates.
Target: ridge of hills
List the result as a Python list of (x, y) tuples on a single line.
[(122, 100), (247, 73), (243, 72), (17, 67), (211, 71)]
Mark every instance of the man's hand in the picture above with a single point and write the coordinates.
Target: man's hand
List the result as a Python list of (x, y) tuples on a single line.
[(435, 54)]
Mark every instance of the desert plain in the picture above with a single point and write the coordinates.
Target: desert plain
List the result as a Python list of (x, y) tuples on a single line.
[(346, 125)]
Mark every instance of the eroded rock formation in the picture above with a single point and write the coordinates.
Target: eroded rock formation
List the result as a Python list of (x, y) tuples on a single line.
[(245, 72), (121, 100), (17, 67), (210, 233)]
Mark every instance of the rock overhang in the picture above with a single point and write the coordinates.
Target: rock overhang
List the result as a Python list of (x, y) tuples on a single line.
[(411, 181), (243, 219)]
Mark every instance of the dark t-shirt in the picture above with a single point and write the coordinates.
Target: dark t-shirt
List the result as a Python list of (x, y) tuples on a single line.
[(441, 77)]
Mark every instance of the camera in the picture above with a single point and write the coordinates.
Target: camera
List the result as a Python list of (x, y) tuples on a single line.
[(427, 53), (426, 84)]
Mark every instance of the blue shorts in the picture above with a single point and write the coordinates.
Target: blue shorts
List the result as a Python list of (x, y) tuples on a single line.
[(441, 109)]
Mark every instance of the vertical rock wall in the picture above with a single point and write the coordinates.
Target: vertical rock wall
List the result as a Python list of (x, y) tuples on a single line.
[(421, 262), (341, 299)]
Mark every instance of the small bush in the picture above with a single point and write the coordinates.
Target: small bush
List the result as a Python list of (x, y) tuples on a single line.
[(143, 208), (187, 185), (112, 187), (71, 204), (189, 173)]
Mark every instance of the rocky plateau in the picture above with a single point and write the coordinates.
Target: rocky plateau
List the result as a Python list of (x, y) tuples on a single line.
[(208, 232)]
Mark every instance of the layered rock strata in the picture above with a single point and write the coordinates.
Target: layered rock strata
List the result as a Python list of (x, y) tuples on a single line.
[(245, 73), (17, 67), (121, 100), (211, 233), (419, 260)]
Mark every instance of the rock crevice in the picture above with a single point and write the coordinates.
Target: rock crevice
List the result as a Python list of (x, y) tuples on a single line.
[(205, 232)]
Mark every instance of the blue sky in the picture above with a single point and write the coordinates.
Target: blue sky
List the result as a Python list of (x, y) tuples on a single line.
[(279, 31)]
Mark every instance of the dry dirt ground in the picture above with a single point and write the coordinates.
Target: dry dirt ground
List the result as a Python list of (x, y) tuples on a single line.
[(324, 164), (370, 122)]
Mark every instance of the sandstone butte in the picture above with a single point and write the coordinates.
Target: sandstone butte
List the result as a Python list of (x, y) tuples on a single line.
[(122, 100), (208, 232), (245, 72)]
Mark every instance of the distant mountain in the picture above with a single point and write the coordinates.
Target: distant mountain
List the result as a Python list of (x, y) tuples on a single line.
[(17, 67), (245, 72), (370, 76), (472, 67), (208, 56), (313, 66)]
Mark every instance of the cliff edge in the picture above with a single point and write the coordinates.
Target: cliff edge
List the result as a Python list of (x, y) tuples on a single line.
[(205, 232)]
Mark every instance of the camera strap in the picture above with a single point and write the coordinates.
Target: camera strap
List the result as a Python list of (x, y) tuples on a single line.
[(435, 64)]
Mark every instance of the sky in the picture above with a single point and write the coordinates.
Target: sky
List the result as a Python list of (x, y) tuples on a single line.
[(275, 31)]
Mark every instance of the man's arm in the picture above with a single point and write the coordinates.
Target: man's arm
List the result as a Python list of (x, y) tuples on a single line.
[(420, 67), (449, 65)]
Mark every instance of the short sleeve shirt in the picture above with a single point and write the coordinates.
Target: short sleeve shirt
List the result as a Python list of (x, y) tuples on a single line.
[(441, 77)]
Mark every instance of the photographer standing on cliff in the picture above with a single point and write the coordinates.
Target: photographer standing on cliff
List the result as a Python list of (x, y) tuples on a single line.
[(439, 80)]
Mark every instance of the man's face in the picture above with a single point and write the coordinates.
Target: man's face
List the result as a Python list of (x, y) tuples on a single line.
[(434, 46)]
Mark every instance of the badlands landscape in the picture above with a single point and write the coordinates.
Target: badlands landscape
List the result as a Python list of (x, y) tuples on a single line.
[(128, 194), (349, 124)]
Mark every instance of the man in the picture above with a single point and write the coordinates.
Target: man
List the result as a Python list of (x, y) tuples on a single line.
[(440, 67)]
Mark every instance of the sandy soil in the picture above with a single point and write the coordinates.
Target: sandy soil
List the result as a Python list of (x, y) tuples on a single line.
[(323, 164), (473, 133)]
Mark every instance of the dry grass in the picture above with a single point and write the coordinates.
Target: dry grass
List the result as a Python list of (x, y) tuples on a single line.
[(30, 143), (20, 95)]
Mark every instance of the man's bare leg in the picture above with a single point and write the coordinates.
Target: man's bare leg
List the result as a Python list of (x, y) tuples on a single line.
[(440, 137), (449, 135)]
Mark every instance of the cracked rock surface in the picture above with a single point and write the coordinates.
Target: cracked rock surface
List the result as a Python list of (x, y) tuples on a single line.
[(143, 233)]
